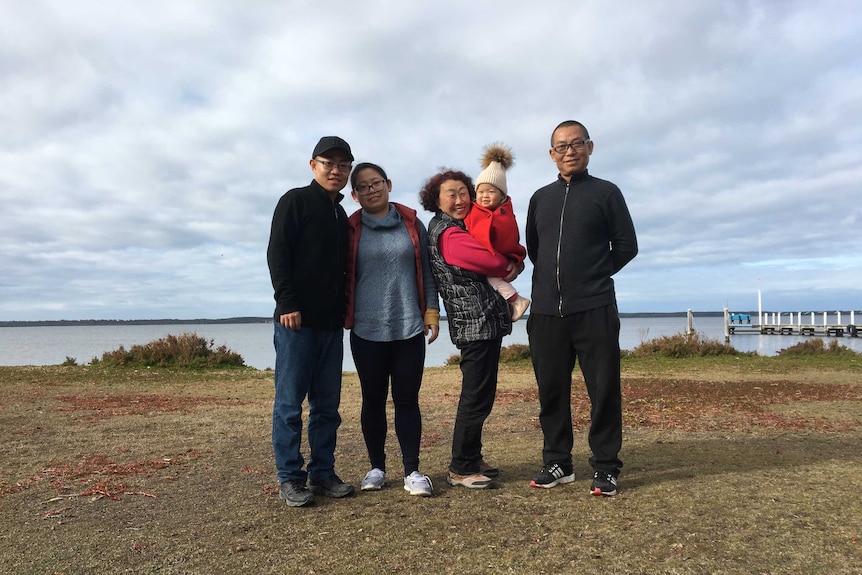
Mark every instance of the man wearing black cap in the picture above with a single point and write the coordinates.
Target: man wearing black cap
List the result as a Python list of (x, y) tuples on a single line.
[(307, 259)]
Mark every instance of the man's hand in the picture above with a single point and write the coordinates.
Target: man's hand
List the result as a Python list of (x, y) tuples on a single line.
[(292, 320)]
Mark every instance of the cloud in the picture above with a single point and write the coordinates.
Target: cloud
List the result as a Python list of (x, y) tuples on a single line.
[(144, 145)]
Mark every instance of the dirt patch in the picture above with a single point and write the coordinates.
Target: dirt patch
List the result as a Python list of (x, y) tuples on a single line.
[(95, 476), (104, 406)]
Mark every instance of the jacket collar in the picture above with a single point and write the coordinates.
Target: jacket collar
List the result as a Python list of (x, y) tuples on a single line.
[(579, 177), (318, 188), (447, 218)]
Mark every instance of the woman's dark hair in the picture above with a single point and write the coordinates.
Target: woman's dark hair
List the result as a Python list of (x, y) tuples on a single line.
[(429, 195), (363, 166)]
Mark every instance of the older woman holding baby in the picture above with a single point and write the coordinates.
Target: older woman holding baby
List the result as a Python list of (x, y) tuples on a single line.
[(477, 315)]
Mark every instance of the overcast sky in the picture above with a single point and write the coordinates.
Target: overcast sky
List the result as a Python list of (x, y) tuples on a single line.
[(144, 145)]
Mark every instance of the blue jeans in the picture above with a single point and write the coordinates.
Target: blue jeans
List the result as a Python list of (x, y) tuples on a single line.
[(307, 365)]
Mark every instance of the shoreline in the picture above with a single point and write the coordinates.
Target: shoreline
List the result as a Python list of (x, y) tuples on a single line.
[(253, 319)]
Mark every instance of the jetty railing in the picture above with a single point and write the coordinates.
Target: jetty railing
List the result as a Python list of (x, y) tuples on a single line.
[(798, 323)]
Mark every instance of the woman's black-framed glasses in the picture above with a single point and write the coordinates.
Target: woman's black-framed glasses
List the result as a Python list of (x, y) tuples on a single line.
[(374, 186)]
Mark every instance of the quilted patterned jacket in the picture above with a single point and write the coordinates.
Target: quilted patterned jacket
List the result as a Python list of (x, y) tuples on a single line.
[(474, 311)]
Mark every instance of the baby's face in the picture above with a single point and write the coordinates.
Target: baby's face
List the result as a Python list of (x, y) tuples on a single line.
[(489, 196)]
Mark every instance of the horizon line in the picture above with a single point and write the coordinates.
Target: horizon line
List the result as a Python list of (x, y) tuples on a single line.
[(266, 319)]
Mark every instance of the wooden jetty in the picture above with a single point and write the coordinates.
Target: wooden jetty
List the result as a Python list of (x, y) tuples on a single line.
[(792, 323)]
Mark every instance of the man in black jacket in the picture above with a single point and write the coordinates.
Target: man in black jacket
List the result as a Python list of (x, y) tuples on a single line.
[(307, 258), (579, 233)]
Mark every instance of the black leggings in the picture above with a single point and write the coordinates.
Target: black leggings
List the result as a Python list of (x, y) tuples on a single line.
[(479, 365), (404, 362)]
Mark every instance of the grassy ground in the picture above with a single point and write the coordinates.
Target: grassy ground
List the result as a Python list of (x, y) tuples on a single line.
[(733, 465)]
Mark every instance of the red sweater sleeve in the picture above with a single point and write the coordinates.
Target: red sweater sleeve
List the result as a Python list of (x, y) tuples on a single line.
[(459, 248)]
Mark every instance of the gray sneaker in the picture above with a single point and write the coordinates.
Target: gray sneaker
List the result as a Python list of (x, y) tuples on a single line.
[(418, 484), (332, 486), (374, 480), (295, 494)]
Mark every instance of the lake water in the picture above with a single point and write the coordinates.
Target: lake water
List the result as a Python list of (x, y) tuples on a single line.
[(49, 345)]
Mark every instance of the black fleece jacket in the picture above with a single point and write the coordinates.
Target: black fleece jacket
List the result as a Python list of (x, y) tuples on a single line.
[(307, 256), (578, 235)]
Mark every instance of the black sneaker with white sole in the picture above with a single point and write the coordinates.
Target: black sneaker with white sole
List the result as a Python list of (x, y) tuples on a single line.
[(553, 475), (604, 483)]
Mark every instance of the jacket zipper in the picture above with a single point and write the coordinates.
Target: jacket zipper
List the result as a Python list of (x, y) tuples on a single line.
[(559, 247), (338, 258)]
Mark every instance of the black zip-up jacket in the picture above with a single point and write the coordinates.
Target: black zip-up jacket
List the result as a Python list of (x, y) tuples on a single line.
[(307, 256), (578, 235)]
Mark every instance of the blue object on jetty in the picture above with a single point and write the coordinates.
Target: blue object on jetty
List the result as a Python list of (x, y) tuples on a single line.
[(740, 318)]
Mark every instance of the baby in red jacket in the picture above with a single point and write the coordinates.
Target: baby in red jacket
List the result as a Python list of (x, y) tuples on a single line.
[(491, 221)]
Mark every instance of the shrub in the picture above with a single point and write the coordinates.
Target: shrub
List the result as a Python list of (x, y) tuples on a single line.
[(817, 347), (508, 354), (70, 362), (186, 350), (514, 352), (683, 345)]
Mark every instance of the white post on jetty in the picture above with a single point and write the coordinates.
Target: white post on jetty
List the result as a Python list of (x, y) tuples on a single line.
[(726, 327), (759, 309), (689, 325)]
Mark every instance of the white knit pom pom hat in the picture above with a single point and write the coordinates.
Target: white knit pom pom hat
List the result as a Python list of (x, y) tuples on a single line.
[(495, 161)]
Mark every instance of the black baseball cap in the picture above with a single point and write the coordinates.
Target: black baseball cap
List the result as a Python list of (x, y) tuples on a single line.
[(328, 143)]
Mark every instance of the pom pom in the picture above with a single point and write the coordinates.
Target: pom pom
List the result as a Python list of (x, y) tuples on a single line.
[(498, 153)]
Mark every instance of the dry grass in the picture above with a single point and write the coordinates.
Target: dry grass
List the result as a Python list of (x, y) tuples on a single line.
[(733, 465)]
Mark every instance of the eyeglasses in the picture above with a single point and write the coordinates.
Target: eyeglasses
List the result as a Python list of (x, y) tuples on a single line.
[(329, 166), (575, 145), (374, 186)]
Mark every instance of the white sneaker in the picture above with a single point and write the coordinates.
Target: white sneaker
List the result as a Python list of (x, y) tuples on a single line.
[(374, 480), (519, 306), (418, 484)]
